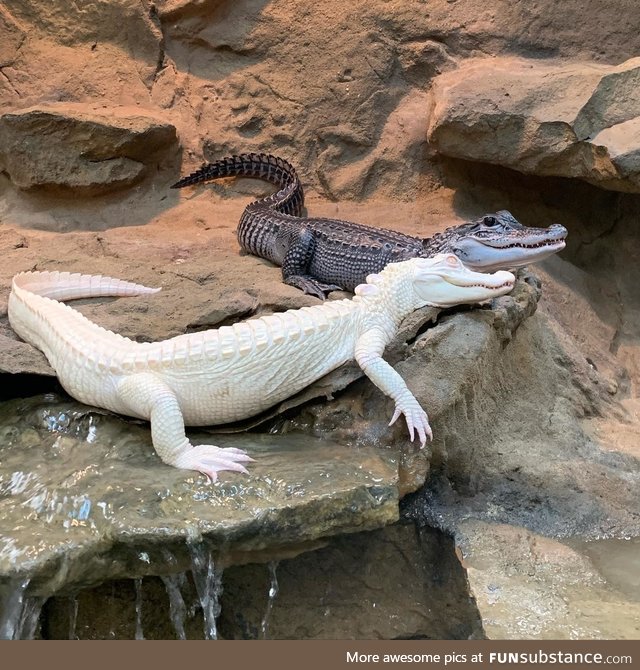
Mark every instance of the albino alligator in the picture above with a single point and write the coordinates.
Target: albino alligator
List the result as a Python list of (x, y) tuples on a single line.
[(323, 255), (234, 372)]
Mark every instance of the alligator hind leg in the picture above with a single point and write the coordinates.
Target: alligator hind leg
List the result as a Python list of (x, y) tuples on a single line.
[(146, 395), (295, 266)]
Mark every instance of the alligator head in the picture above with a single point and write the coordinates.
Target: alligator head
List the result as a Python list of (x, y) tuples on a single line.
[(444, 281), (499, 241)]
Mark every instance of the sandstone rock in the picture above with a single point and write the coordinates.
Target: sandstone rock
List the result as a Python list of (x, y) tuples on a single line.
[(61, 52), (585, 314), (531, 587), (12, 36), (94, 22), (577, 120), (67, 149)]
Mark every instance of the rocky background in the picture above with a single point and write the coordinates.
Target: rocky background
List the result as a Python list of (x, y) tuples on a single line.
[(407, 114)]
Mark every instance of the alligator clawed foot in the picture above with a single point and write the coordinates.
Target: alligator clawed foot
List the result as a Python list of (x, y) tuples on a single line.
[(321, 291), (312, 286), (417, 421), (209, 460)]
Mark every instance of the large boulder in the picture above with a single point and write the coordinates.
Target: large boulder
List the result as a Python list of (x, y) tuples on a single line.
[(69, 149), (528, 586), (563, 120)]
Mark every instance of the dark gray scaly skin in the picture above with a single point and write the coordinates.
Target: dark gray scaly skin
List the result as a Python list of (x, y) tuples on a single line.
[(320, 255)]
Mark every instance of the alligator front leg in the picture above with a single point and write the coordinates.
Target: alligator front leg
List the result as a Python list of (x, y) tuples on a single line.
[(296, 263), (369, 349), (146, 395)]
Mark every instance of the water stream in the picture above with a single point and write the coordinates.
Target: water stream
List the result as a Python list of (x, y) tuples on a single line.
[(73, 617), (30, 617), (138, 586), (273, 594), (208, 582), (11, 608), (19, 614), (177, 608)]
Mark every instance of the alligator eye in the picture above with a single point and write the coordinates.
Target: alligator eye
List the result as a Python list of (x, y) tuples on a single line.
[(489, 221)]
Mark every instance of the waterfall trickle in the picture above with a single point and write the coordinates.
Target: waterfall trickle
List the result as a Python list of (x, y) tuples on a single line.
[(208, 582), (73, 617), (139, 632), (177, 608), (19, 614), (273, 594)]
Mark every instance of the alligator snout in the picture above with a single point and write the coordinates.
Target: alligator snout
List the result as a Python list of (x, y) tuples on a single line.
[(558, 230)]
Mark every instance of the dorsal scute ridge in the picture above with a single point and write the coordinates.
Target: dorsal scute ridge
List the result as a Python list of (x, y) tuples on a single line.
[(225, 343), (243, 338)]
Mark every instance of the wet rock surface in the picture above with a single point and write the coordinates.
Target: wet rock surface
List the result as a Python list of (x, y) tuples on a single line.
[(535, 415), (565, 120), (101, 504), (529, 586)]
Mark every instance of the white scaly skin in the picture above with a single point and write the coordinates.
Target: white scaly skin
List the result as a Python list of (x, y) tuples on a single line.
[(234, 372)]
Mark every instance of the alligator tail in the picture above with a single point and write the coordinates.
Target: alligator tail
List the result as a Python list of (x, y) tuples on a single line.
[(290, 197), (71, 286)]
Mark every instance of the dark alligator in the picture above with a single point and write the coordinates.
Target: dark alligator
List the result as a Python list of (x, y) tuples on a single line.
[(322, 255)]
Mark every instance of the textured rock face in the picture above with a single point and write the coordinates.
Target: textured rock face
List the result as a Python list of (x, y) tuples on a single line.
[(13, 37), (392, 583), (64, 148), (527, 586), (535, 421), (531, 464), (580, 121)]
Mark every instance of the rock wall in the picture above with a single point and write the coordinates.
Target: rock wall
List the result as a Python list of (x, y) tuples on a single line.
[(406, 114)]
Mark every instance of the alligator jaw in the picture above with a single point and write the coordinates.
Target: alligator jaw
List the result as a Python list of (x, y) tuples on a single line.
[(446, 281), (487, 257)]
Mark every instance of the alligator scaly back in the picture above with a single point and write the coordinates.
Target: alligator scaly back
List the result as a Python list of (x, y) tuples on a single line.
[(317, 255)]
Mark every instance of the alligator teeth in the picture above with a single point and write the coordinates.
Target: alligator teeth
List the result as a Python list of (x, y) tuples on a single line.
[(523, 245), (507, 283)]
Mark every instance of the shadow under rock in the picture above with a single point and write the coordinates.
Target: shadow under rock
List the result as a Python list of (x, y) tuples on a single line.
[(52, 212)]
